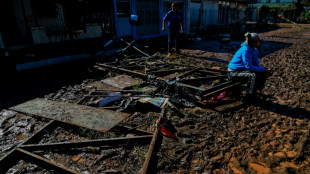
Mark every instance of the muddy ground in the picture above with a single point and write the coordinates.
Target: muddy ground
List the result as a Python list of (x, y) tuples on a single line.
[(269, 136)]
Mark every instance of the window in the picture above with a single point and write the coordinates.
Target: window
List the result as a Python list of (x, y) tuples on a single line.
[(123, 8)]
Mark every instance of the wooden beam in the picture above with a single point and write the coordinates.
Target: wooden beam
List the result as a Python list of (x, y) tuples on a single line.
[(96, 143), (28, 156)]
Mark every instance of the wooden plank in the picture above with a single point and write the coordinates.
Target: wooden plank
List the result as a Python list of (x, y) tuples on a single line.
[(96, 143), (210, 94), (202, 79), (148, 158), (45, 162), (188, 73), (161, 72), (139, 74), (80, 115)]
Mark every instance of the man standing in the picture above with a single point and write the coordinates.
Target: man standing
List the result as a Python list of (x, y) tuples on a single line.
[(174, 18)]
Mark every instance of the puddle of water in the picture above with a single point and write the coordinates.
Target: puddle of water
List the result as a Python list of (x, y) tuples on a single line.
[(284, 149), (288, 164), (195, 161), (20, 137), (304, 131), (260, 169), (234, 169), (217, 157), (81, 160), (75, 158), (234, 148), (307, 35), (291, 154), (305, 163), (226, 156), (279, 154), (273, 142), (233, 159)]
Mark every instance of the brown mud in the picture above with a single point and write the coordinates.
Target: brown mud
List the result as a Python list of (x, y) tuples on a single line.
[(271, 135)]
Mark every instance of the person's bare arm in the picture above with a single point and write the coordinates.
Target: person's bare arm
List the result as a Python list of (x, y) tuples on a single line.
[(268, 71), (181, 27), (163, 28)]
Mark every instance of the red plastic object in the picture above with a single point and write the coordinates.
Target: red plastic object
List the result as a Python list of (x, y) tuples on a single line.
[(163, 126), (216, 68)]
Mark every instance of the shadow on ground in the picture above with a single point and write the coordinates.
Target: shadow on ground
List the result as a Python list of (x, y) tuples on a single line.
[(267, 47), (284, 110), (20, 87)]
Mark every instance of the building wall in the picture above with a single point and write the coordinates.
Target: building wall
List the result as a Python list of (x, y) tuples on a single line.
[(124, 27), (203, 14), (210, 12), (1, 42), (195, 11), (150, 13), (123, 11), (214, 12), (150, 18), (275, 2), (242, 7), (20, 18)]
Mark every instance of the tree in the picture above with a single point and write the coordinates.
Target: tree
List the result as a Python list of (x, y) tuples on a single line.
[(307, 16)]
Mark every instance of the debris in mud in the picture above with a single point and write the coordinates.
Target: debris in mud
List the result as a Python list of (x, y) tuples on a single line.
[(269, 136), (14, 128), (122, 81)]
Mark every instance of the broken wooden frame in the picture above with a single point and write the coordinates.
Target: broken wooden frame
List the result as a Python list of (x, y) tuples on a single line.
[(129, 45), (24, 150), (19, 152), (137, 49), (204, 93)]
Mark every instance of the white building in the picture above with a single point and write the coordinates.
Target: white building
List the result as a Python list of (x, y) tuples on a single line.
[(204, 13)]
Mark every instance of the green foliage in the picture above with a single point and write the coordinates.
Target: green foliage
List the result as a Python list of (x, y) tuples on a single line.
[(126, 56), (290, 7), (276, 8), (135, 87), (290, 11), (307, 16)]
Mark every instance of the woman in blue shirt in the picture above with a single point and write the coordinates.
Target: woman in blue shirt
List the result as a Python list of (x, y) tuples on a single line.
[(245, 65)]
